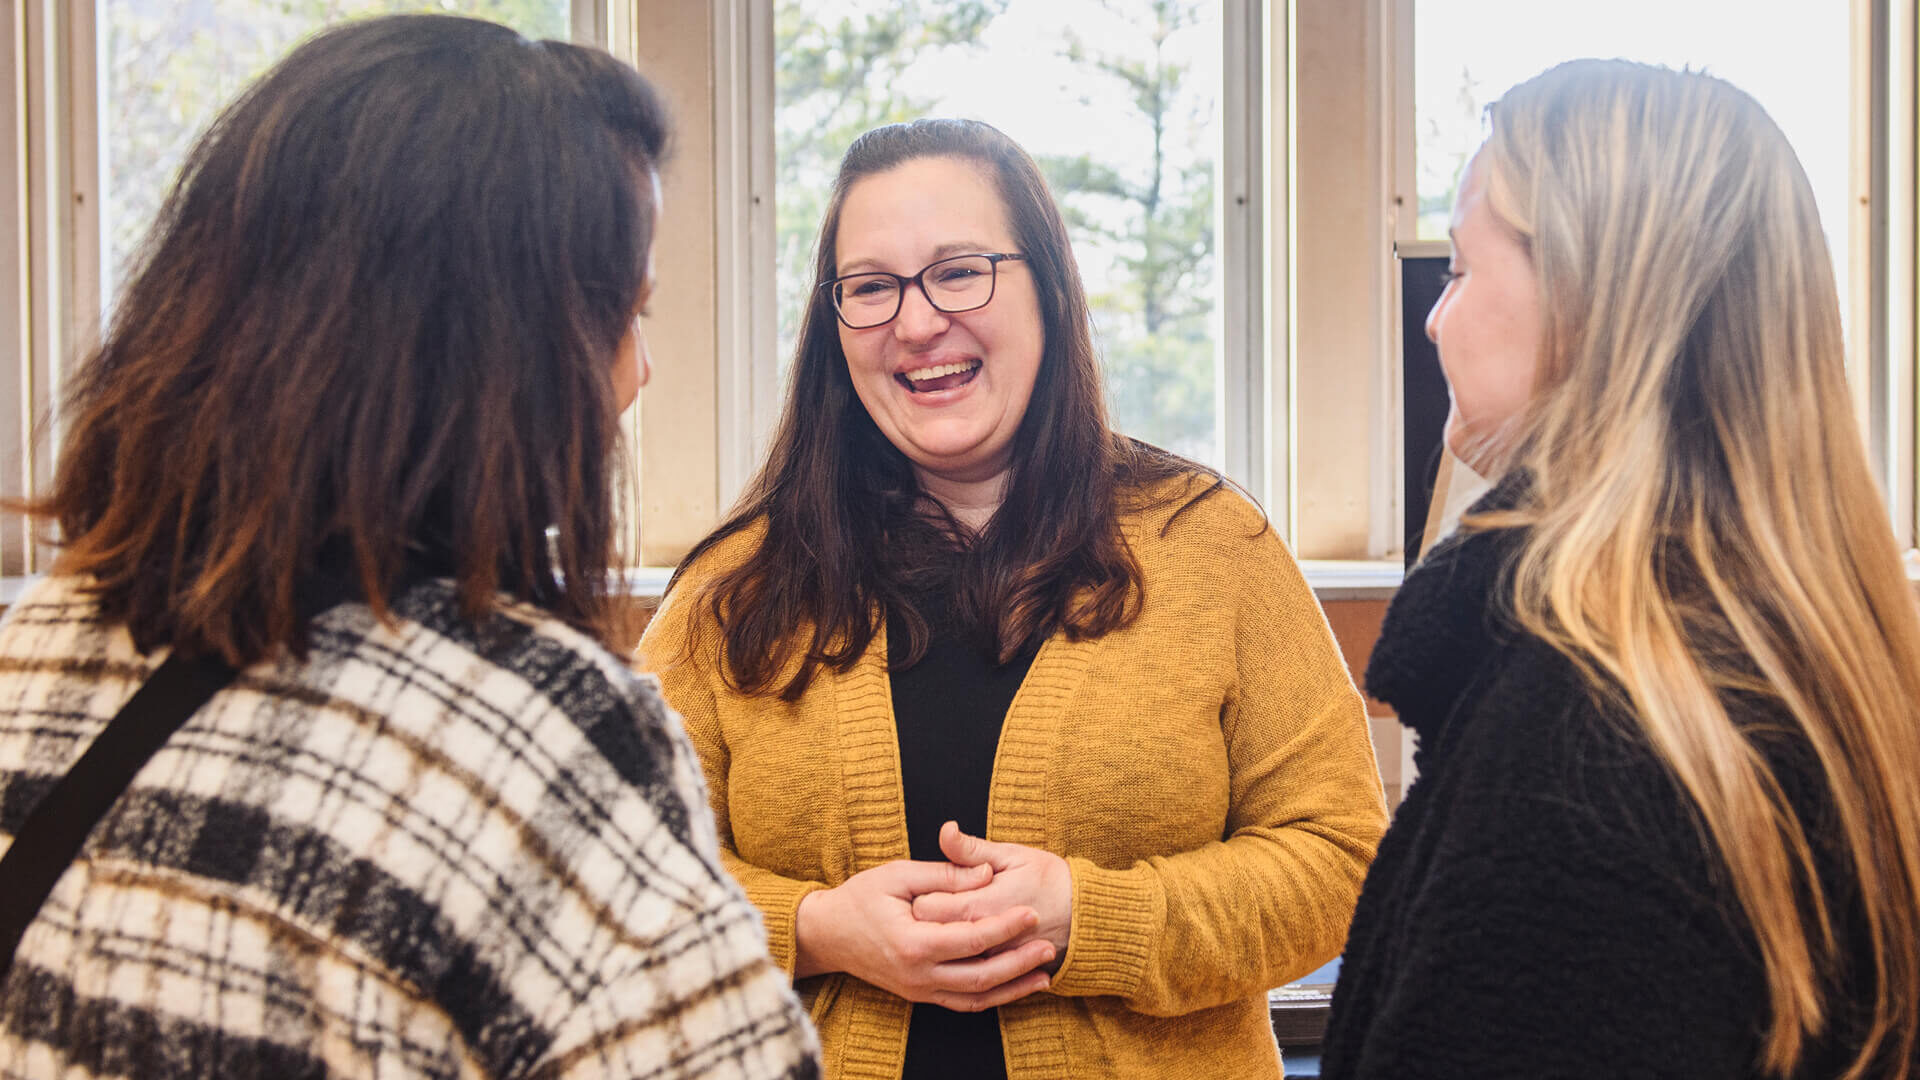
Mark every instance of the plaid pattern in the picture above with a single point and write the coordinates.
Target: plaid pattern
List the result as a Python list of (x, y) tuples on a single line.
[(425, 850)]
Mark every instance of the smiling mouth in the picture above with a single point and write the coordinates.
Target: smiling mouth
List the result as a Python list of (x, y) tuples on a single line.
[(939, 377)]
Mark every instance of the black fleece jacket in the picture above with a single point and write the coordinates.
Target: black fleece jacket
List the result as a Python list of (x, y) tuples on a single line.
[(1544, 904)]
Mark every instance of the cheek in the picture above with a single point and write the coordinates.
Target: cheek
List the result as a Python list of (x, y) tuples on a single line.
[(1490, 369), (861, 353), (1469, 370)]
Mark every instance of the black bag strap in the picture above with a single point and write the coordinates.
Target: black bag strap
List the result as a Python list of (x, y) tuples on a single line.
[(50, 838)]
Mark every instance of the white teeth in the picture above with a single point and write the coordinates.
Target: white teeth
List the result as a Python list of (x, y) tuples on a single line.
[(925, 373)]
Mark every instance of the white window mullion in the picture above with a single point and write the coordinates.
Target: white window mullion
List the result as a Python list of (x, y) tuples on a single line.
[(748, 368), (53, 307), (588, 20), (1240, 394), (1903, 269)]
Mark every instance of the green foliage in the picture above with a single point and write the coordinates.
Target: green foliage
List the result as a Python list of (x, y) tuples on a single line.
[(839, 77), (1156, 216), (1149, 219), (171, 66)]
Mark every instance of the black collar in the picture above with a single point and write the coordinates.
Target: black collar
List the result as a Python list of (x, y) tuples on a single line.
[(1446, 619)]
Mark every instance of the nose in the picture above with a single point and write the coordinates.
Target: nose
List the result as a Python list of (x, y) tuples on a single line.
[(918, 320), (1433, 319)]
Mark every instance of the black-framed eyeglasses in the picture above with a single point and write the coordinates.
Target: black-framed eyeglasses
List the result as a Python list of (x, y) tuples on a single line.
[(872, 298)]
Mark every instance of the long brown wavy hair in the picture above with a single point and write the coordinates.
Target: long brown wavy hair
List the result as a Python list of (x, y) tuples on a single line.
[(850, 534), (372, 330), (1703, 521)]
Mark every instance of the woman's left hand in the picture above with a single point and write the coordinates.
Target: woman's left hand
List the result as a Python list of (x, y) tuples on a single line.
[(1022, 877)]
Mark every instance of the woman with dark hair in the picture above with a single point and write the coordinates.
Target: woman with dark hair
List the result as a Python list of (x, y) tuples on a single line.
[(335, 500), (1028, 740)]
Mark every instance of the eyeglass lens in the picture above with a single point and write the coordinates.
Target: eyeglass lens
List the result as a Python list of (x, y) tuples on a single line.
[(952, 285)]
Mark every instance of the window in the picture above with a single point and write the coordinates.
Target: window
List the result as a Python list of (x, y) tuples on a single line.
[(1307, 115), (1460, 68), (167, 67), (99, 102), (1118, 100), (1837, 78)]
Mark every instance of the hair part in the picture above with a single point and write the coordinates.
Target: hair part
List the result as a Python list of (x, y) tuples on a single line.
[(1702, 517), (849, 531), (371, 332)]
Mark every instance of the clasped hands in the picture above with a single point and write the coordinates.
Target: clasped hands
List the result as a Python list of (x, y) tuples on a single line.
[(984, 928)]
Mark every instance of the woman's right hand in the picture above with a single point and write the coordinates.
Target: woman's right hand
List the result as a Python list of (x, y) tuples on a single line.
[(866, 928)]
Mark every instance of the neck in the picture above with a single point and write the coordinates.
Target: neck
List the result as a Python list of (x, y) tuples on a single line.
[(971, 502)]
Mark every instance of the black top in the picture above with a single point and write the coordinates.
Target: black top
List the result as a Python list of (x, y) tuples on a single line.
[(948, 709), (1543, 904)]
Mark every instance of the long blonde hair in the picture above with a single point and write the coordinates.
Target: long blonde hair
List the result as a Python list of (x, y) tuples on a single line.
[(1702, 516)]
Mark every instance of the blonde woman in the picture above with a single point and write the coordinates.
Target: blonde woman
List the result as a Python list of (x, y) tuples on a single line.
[(1666, 680)]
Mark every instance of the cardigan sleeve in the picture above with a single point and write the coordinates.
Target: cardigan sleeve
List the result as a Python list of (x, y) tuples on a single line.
[(1272, 899), (681, 647)]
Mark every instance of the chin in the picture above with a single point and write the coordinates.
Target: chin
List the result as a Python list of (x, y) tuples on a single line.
[(960, 466), (945, 446)]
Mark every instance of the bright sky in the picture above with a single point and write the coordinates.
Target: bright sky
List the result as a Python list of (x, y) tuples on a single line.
[(1020, 82), (1050, 104), (1791, 55)]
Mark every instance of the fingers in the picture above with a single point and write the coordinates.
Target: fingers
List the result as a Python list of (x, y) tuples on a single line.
[(1011, 990), (908, 879), (964, 850), (962, 940), (981, 974), (951, 907)]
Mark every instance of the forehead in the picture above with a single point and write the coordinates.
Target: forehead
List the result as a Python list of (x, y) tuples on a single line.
[(1478, 227), (1470, 207), (918, 211)]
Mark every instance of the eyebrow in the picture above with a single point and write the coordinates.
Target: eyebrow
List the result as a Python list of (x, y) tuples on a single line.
[(951, 247)]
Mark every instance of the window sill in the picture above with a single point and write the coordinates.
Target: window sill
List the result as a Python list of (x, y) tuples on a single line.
[(1330, 579)]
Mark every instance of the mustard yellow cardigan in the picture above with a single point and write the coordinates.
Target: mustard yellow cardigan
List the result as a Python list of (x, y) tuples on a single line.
[(1206, 772)]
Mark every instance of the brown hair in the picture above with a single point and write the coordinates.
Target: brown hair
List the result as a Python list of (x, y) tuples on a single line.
[(372, 331), (848, 530)]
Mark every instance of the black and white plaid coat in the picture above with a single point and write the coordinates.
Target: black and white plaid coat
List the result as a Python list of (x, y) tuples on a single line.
[(422, 851)]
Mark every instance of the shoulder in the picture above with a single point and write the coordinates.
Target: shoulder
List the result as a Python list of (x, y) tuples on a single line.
[(680, 626), (719, 554), (50, 613), (57, 643), (521, 675), (1207, 550), (563, 665), (713, 558), (1195, 512)]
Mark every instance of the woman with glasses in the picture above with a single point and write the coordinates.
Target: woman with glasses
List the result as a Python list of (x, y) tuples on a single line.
[(1028, 740), (1667, 677)]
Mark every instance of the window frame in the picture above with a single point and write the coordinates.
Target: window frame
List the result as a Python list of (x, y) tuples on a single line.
[(703, 423), (51, 154), (1901, 132), (52, 307)]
